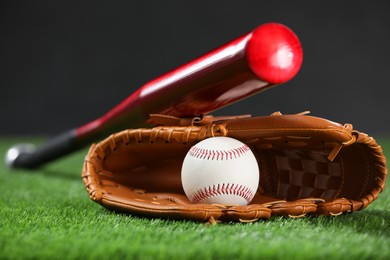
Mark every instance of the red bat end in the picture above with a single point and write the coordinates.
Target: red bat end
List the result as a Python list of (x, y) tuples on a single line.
[(274, 53)]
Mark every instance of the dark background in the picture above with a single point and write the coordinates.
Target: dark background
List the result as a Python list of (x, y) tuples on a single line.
[(64, 63)]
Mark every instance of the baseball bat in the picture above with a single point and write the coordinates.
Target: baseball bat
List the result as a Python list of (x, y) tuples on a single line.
[(268, 56)]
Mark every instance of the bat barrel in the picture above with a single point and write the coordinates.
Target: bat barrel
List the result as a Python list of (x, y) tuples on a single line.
[(268, 56)]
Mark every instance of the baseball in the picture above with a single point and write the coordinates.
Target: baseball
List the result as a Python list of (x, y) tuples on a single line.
[(220, 170)]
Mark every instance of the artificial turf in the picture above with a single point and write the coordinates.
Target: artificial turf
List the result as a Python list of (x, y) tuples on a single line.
[(46, 214)]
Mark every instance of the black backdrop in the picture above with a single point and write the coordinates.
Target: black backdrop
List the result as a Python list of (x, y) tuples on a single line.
[(64, 63)]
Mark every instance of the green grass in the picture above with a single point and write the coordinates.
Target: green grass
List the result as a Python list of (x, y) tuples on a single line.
[(46, 214)]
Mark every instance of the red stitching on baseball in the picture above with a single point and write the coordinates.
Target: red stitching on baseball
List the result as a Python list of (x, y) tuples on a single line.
[(224, 189), (207, 154)]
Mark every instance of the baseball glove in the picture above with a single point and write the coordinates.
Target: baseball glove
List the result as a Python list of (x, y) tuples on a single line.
[(308, 165)]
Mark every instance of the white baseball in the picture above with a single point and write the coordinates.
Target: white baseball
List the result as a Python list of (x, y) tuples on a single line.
[(220, 170)]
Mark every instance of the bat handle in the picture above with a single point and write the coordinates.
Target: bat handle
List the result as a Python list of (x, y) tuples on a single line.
[(27, 156)]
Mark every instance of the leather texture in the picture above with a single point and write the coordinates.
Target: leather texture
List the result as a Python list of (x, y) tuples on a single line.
[(308, 165)]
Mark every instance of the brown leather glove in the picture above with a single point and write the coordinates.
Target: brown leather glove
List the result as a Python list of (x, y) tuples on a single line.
[(308, 165)]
